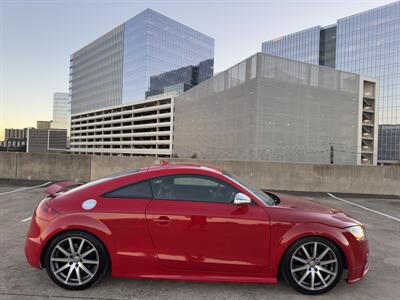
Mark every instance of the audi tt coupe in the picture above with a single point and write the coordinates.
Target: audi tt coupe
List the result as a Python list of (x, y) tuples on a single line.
[(195, 223)]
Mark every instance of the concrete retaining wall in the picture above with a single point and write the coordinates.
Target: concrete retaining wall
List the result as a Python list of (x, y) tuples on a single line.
[(40, 166), (102, 166), (8, 164), (317, 178), (268, 175)]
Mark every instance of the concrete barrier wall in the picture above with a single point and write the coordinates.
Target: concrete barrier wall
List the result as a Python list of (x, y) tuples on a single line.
[(47, 166), (317, 178), (102, 166), (8, 164), (267, 175)]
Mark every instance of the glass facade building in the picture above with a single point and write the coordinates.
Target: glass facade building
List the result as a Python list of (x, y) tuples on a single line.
[(327, 46), (387, 133), (61, 111), (142, 57), (302, 46), (367, 43), (96, 73), (181, 79)]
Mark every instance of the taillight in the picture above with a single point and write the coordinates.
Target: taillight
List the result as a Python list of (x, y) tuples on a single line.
[(45, 212)]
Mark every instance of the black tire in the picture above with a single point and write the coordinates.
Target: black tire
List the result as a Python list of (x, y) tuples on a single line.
[(312, 265), (97, 270)]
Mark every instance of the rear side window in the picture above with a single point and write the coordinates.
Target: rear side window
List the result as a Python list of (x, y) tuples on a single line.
[(141, 190)]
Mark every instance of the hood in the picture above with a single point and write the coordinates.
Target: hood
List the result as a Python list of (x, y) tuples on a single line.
[(304, 204), (303, 210)]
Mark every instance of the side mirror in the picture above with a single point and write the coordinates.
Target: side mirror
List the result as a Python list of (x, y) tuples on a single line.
[(241, 198)]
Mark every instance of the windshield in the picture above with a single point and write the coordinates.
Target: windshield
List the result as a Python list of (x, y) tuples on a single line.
[(257, 192)]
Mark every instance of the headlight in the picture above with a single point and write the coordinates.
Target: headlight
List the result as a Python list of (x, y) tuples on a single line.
[(358, 232)]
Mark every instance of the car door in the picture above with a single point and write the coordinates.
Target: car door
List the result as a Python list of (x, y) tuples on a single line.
[(194, 225), (123, 214)]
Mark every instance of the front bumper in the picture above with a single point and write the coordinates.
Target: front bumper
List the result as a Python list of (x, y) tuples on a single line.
[(360, 264)]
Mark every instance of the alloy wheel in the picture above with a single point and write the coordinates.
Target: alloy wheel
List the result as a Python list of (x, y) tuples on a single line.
[(74, 261), (314, 266)]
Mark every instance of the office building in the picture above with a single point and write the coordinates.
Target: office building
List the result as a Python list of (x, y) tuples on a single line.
[(135, 60), (367, 43), (180, 80), (14, 140), (43, 125), (61, 111), (40, 139), (13, 145), (14, 134), (140, 129), (276, 109), (386, 133), (46, 140)]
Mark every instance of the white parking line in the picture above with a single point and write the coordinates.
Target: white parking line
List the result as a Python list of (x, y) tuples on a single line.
[(24, 189), (26, 220), (366, 208)]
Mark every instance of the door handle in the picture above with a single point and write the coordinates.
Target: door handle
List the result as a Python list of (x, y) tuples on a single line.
[(162, 220)]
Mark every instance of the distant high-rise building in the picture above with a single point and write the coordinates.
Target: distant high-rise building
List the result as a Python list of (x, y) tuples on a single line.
[(61, 111), (367, 43), (43, 125), (117, 68)]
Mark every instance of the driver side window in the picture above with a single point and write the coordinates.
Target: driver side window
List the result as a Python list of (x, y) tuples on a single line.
[(193, 188)]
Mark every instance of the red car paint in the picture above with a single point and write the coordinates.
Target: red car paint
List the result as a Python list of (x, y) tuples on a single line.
[(187, 240), (58, 187)]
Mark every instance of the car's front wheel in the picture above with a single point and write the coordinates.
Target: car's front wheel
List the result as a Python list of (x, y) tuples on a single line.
[(76, 260), (313, 265)]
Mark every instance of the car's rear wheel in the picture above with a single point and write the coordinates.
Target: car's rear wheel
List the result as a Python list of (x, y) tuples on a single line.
[(76, 260), (313, 265)]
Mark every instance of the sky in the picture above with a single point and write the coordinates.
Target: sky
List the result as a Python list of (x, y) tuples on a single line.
[(38, 37)]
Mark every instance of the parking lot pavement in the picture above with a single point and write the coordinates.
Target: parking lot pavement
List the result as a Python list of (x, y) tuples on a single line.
[(19, 281)]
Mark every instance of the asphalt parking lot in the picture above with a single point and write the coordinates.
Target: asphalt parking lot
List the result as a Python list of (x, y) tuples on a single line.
[(381, 216)]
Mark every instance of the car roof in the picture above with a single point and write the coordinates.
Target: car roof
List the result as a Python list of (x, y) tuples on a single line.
[(164, 165)]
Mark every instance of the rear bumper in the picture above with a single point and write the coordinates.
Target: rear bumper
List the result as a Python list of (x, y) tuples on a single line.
[(32, 252), (33, 243)]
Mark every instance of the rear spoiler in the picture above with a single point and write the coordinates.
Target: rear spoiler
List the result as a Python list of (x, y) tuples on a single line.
[(60, 186)]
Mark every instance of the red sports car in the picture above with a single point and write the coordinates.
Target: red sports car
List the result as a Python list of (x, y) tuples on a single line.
[(191, 222)]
